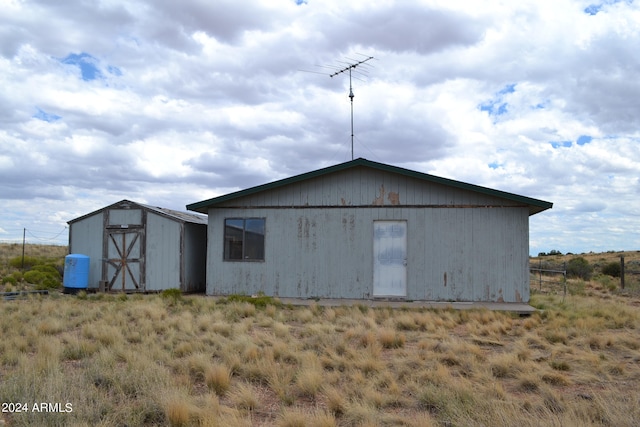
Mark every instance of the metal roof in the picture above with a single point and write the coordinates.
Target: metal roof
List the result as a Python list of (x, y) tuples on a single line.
[(169, 213), (535, 205)]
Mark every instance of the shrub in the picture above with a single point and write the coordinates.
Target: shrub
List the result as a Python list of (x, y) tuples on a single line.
[(28, 262), (9, 279), (49, 269), (34, 277), (49, 283), (260, 300), (612, 269), (173, 295), (42, 280), (580, 268)]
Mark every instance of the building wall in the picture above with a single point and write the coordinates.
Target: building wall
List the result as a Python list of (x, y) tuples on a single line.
[(85, 237), (163, 253), (366, 187), (173, 252), (327, 253)]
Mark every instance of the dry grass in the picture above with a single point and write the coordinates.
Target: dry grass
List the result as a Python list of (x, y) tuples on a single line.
[(11, 250), (142, 360)]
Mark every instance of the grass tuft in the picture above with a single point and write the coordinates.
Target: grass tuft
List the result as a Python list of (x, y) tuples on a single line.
[(218, 379)]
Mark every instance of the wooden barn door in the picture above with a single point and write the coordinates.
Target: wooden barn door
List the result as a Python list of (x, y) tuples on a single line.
[(123, 248), (389, 258), (124, 260)]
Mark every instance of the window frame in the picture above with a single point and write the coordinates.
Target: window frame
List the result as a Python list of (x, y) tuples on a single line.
[(227, 240)]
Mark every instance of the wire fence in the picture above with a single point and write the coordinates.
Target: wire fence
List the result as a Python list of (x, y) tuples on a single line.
[(550, 274), (632, 270), (31, 236), (550, 277)]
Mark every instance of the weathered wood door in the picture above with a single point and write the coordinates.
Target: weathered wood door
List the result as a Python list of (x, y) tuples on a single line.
[(389, 258), (124, 263)]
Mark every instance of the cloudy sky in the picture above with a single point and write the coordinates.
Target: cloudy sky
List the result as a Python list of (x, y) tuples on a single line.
[(170, 103)]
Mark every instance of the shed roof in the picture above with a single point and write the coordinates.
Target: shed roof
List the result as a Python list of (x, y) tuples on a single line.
[(535, 205), (168, 213)]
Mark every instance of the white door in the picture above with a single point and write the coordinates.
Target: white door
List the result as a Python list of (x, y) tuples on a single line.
[(389, 258)]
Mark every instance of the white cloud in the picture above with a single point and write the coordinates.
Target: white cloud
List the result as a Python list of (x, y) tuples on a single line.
[(187, 102)]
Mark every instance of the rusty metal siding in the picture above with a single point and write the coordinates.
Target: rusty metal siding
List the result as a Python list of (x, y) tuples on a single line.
[(308, 253), (474, 254), (85, 237), (163, 253), (461, 254), (366, 187)]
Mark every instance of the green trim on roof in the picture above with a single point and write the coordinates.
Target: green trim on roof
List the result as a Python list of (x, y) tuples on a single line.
[(535, 205)]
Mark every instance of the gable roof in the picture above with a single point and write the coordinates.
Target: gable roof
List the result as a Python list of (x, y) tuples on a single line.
[(535, 205), (168, 213)]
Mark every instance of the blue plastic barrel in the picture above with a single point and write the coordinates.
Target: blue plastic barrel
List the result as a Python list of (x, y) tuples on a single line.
[(76, 273)]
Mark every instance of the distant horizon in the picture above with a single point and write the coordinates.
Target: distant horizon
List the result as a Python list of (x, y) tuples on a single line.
[(10, 242)]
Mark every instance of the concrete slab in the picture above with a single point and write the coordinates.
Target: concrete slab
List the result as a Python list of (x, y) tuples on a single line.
[(519, 308)]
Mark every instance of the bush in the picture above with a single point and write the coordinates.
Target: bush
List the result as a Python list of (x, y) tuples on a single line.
[(172, 294), (580, 268), (29, 261), (43, 276), (261, 300), (612, 269), (49, 283), (48, 269), (9, 279), (34, 277)]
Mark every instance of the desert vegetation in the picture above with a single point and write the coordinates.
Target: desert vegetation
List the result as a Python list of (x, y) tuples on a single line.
[(171, 359), (32, 267)]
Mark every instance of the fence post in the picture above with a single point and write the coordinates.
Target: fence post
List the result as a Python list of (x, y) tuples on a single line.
[(622, 271), (564, 278), (24, 236), (540, 273)]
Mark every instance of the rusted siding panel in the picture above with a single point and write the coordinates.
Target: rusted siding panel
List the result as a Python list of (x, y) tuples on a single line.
[(459, 254), (366, 187), (476, 255), (308, 253), (85, 237)]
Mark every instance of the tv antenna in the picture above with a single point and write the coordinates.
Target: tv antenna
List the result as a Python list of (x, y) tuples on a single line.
[(350, 67)]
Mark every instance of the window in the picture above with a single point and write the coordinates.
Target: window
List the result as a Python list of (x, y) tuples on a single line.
[(244, 239)]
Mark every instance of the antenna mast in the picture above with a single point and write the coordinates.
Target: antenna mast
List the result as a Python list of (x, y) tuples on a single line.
[(351, 95)]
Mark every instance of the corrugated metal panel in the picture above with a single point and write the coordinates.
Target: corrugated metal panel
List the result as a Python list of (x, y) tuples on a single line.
[(85, 237), (263, 195), (461, 254), (163, 253), (368, 187), (180, 216)]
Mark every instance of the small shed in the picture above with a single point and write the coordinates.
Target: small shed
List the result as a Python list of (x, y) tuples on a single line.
[(139, 248), (365, 230)]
